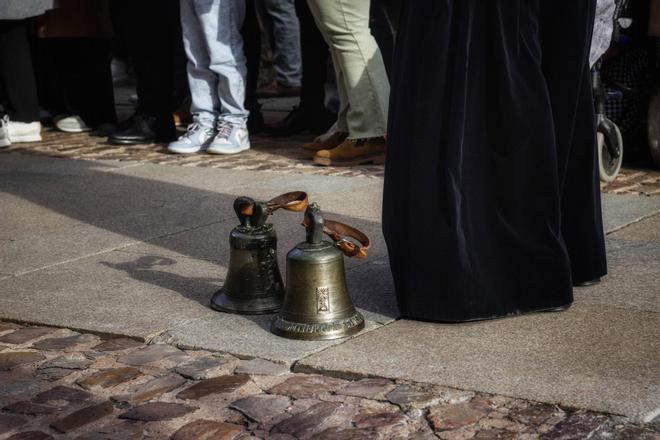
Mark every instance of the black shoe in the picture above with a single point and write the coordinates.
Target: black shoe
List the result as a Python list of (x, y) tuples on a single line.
[(295, 122), (104, 130), (146, 129)]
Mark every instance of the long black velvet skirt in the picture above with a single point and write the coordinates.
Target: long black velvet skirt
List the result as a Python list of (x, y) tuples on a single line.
[(492, 201)]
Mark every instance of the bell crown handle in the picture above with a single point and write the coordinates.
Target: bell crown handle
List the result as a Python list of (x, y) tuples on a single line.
[(314, 224), (243, 207)]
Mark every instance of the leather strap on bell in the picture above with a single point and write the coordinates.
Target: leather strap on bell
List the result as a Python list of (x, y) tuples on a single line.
[(295, 201), (340, 232)]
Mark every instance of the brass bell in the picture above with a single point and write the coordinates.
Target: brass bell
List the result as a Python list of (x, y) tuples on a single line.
[(317, 305), (254, 283)]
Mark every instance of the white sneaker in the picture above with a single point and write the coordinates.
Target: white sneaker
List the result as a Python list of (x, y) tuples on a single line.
[(4, 132), (198, 137), (24, 131), (230, 139), (71, 124)]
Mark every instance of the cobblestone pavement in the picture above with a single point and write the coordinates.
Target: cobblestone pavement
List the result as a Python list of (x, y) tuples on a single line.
[(56, 383), (268, 154)]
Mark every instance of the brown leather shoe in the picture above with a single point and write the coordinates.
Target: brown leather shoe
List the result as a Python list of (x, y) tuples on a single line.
[(274, 89), (324, 143), (353, 152)]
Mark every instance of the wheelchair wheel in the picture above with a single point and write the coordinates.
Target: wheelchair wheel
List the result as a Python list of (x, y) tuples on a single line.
[(609, 166), (654, 128)]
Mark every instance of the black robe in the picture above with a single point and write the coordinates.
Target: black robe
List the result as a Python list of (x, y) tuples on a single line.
[(492, 200)]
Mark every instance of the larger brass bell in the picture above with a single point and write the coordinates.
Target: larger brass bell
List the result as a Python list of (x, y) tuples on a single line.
[(317, 305), (254, 283)]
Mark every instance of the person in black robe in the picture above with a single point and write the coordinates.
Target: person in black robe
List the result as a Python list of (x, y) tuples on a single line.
[(492, 201)]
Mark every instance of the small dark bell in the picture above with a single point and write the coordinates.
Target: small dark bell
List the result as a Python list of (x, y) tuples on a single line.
[(316, 304), (254, 283)]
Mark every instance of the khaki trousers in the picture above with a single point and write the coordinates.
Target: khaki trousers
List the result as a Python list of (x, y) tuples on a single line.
[(361, 77)]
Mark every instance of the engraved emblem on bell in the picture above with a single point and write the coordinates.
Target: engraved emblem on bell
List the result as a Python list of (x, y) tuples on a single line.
[(317, 305), (254, 284), (323, 299)]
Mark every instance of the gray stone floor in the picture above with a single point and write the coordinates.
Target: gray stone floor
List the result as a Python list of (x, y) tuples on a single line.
[(137, 249)]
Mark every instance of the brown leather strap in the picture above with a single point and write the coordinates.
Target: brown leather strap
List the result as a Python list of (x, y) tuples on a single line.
[(295, 201), (340, 232), (292, 201)]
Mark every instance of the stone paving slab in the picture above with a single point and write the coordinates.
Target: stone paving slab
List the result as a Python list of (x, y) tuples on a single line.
[(114, 293), (634, 259), (144, 296), (600, 358), (632, 282), (622, 210)]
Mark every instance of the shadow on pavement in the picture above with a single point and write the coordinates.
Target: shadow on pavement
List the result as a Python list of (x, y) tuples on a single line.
[(145, 210)]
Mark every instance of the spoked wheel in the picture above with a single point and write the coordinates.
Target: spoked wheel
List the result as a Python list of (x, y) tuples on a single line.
[(654, 129), (610, 153)]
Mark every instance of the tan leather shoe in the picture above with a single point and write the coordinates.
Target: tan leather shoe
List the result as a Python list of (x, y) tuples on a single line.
[(324, 142), (353, 152)]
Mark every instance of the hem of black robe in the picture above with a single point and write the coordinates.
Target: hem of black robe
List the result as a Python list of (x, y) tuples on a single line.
[(551, 309)]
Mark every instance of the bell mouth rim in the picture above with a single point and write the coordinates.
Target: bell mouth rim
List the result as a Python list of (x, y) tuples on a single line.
[(271, 311), (230, 305), (345, 328)]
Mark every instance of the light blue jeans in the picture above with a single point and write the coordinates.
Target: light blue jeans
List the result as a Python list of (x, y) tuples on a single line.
[(281, 22), (216, 61)]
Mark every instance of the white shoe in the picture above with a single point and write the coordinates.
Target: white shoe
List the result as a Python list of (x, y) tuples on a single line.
[(230, 139), (198, 137), (24, 131), (71, 124), (4, 132)]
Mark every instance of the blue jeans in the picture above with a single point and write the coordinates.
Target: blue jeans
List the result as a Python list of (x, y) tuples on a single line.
[(280, 19), (216, 61)]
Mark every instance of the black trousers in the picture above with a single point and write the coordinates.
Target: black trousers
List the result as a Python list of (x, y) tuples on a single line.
[(75, 78), (315, 55), (152, 32), (492, 201), (381, 29), (17, 72), (252, 45)]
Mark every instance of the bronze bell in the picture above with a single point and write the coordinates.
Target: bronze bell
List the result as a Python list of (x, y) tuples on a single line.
[(316, 304), (254, 283)]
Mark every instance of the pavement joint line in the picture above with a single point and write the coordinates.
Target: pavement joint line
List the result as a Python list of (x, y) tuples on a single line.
[(632, 222), (151, 339), (107, 251), (72, 328), (187, 257), (71, 260)]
